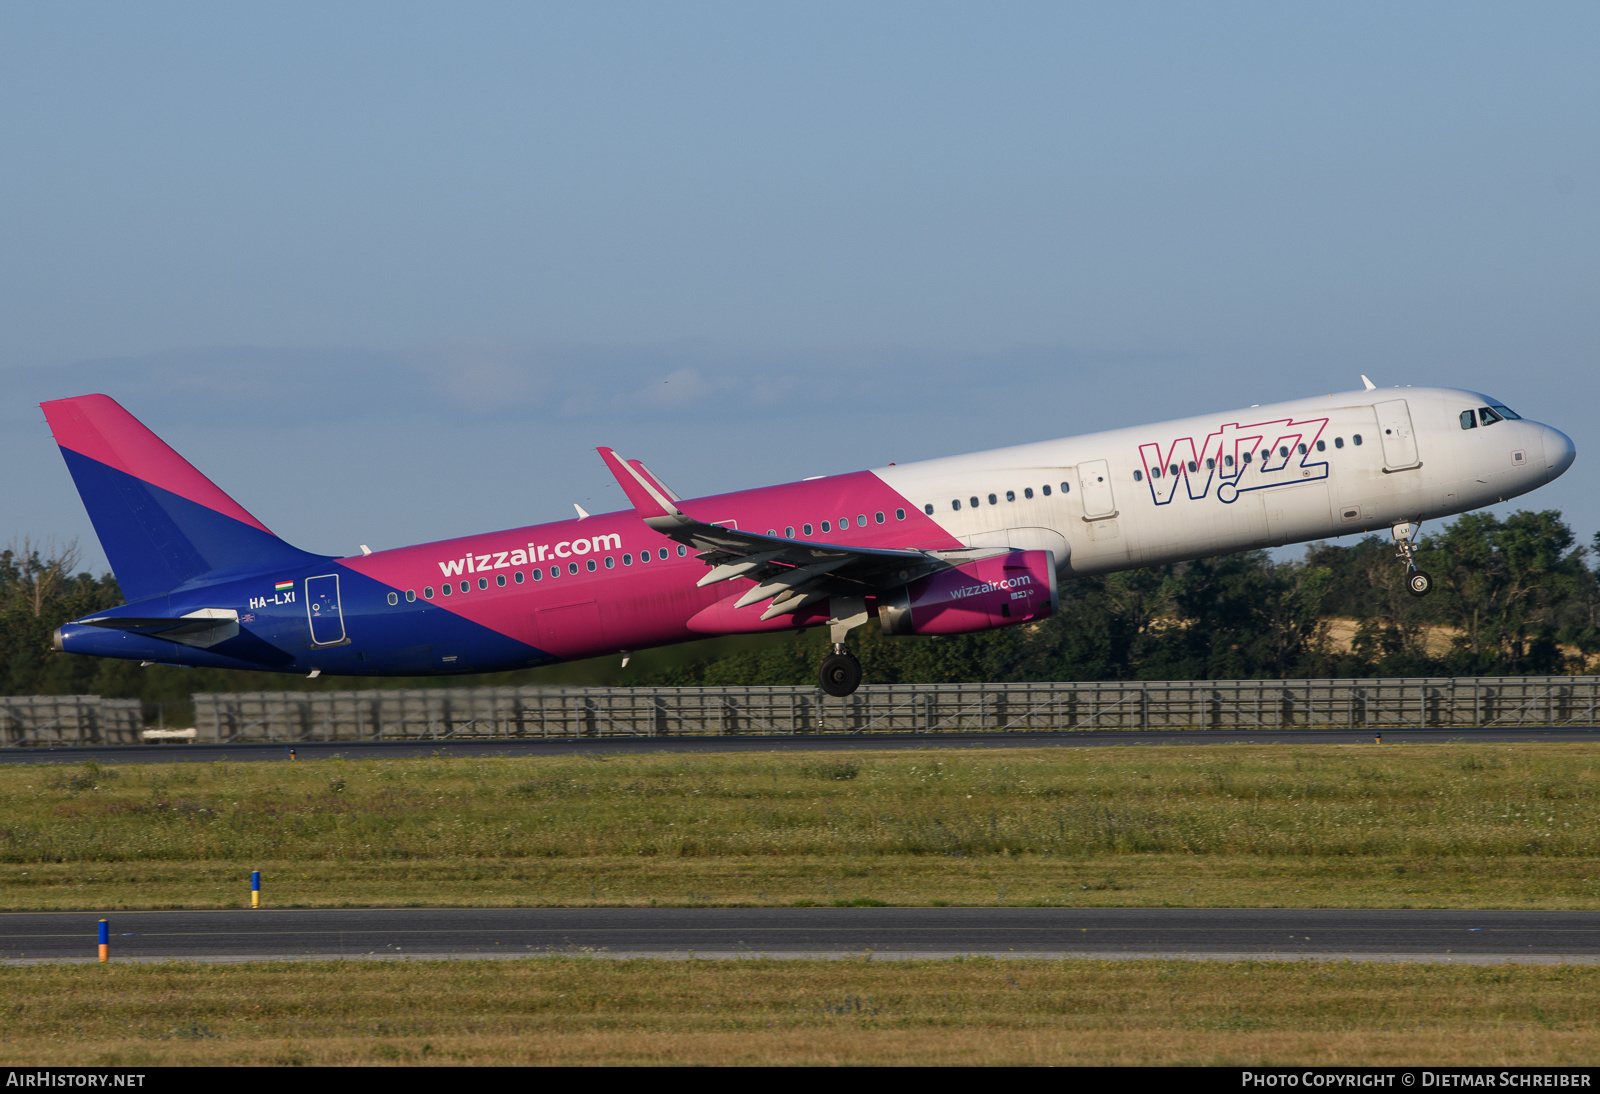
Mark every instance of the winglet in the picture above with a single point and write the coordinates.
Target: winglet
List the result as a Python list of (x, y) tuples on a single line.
[(1370, 385), (654, 502)]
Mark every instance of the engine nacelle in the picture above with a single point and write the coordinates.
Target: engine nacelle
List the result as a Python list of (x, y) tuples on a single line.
[(976, 596)]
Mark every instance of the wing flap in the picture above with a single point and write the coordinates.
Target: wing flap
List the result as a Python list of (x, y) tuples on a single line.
[(793, 573)]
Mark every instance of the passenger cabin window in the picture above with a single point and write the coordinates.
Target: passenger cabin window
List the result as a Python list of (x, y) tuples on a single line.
[(1138, 476), (500, 580), (519, 577), (972, 502), (955, 503), (394, 598), (627, 559), (1046, 489), (1302, 450), (899, 514), (1338, 442), (1211, 464), (464, 585), (1283, 450), (878, 518), (483, 583), (1011, 495), (572, 568), (1066, 488), (589, 565), (1469, 420), (555, 571), (806, 530), (1355, 439), (538, 575), (411, 596), (1322, 446), (788, 533), (1227, 461), (993, 500), (682, 550), (663, 554), (1155, 472), (929, 507), (611, 563), (447, 589), (427, 592), (1027, 492)]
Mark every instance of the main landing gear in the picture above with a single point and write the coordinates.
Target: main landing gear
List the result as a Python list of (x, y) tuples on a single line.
[(841, 672), (1418, 583)]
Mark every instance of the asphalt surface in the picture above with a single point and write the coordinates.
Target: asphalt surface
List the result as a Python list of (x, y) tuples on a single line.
[(807, 932), (567, 746)]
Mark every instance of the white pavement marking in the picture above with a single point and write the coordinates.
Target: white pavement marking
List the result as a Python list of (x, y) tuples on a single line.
[(854, 955)]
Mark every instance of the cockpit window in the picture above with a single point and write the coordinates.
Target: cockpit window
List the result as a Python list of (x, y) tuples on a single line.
[(1487, 416), (1469, 420), (1506, 412)]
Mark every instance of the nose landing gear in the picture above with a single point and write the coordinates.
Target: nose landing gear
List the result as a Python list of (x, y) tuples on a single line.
[(1418, 582), (841, 672)]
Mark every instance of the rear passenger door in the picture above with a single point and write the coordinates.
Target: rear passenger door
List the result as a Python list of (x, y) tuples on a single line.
[(323, 610)]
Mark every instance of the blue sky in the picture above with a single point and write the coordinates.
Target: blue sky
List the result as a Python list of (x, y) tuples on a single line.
[(389, 273)]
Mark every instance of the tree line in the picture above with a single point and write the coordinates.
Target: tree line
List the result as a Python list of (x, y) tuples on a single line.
[(1513, 596)]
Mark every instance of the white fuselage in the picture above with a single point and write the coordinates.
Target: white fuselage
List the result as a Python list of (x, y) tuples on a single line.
[(1260, 477)]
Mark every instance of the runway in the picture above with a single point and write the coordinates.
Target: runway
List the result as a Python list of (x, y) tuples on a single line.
[(568, 746), (881, 933)]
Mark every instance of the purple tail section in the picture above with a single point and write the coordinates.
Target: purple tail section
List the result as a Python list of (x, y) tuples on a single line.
[(161, 522)]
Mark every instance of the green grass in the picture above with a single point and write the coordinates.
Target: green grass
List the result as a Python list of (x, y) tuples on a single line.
[(1437, 825), (977, 1011)]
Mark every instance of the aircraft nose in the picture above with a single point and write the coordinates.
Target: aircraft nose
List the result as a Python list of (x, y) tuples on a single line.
[(1559, 451)]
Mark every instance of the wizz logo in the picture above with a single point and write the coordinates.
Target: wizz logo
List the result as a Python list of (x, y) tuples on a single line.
[(1236, 458)]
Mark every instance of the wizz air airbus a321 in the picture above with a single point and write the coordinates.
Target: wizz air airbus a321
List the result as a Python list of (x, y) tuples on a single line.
[(947, 546)]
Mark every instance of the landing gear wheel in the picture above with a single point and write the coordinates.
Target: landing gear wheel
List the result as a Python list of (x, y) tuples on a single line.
[(841, 674), (1419, 583)]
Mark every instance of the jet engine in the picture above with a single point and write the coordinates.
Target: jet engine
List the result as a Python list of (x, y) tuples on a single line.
[(975, 596)]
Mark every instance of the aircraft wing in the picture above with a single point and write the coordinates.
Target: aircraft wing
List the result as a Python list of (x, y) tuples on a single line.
[(792, 573)]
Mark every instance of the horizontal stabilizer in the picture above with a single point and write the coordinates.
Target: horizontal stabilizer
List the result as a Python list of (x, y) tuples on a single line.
[(201, 629)]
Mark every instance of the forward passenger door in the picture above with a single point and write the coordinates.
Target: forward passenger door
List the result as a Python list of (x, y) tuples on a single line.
[(1094, 480)]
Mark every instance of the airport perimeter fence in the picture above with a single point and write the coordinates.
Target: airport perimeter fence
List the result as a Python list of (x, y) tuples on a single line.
[(463, 713), (46, 720)]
